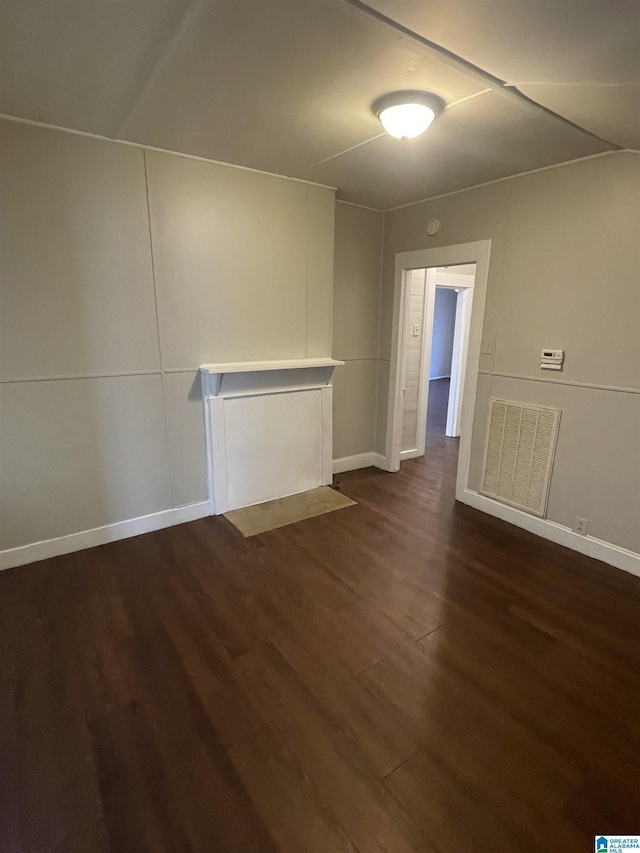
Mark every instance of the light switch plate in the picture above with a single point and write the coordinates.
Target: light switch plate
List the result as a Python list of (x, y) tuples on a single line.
[(488, 346)]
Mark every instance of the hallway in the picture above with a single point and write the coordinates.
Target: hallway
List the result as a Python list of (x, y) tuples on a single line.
[(437, 406)]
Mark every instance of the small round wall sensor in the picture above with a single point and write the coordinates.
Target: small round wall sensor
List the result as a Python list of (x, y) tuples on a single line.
[(433, 226)]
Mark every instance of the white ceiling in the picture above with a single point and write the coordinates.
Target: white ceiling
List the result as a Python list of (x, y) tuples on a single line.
[(286, 85), (579, 58)]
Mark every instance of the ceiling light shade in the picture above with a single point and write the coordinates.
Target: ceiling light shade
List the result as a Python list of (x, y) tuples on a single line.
[(406, 115)]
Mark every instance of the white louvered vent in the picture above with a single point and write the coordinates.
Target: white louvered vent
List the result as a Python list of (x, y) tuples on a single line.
[(518, 458)]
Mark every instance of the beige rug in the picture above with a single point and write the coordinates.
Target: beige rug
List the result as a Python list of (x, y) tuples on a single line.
[(251, 520)]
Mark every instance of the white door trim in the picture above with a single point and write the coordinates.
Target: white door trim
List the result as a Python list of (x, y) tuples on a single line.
[(464, 253), (425, 360), (464, 307)]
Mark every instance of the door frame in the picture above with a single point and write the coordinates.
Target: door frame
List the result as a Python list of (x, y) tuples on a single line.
[(463, 308), (479, 253)]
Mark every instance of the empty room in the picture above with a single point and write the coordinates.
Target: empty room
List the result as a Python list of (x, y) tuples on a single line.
[(319, 426)]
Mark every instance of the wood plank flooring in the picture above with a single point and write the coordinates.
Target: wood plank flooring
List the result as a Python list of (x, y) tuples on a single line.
[(403, 676)]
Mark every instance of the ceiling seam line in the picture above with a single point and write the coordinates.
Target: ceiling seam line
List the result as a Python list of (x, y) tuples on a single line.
[(346, 151), (445, 54), (144, 147), (381, 135), (552, 114), (159, 65), (510, 178), (457, 61), (576, 83), (468, 98), (363, 206)]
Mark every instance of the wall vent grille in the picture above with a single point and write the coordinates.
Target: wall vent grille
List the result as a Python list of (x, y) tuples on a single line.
[(518, 458)]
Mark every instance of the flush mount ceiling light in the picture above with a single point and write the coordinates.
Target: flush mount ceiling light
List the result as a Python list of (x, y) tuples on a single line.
[(407, 114)]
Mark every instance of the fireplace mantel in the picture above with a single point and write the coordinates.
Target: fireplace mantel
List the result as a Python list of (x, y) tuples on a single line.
[(283, 364), (268, 428), (213, 374)]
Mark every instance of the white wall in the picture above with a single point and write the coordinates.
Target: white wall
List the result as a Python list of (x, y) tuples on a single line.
[(444, 322), (358, 255), (564, 272), (120, 272)]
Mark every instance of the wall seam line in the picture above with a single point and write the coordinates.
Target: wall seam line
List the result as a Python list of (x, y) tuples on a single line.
[(505, 225), (379, 329), (591, 386), (155, 302), (75, 376), (307, 244)]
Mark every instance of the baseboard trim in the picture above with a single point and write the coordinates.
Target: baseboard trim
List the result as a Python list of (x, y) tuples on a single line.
[(101, 535), (353, 463), (614, 555), (410, 454), (359, 460), (382, 462)]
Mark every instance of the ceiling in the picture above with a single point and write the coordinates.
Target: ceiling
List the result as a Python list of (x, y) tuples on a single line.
[(286, 86)]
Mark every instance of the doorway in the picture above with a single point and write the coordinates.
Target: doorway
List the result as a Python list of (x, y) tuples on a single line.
[(440, 363), (423, 331), (439, 304)]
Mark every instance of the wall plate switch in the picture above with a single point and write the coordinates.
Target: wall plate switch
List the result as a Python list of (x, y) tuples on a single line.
[(416, 330), (581, 526), (488, 346)]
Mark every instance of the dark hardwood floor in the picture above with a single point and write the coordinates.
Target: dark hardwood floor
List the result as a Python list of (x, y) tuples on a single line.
[(404, 675)]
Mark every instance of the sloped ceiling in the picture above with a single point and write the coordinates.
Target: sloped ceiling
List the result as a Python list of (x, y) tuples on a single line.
[(286, 85)]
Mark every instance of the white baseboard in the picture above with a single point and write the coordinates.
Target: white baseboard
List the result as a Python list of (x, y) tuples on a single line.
[(101, 535), (410, 454), (353, 463), (615, 556), (382, 462), (360, 460)]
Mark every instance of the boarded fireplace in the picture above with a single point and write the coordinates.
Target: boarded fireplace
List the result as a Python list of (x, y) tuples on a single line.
[(268, 428)]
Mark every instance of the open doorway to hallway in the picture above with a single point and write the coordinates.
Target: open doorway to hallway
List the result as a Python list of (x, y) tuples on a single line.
[(440, 362), (436, 343), (467, 337)]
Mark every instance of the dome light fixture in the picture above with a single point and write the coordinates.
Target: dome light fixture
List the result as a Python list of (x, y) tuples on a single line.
[(407, 114)]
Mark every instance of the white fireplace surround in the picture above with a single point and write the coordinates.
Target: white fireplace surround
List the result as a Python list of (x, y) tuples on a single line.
[(268, 428)]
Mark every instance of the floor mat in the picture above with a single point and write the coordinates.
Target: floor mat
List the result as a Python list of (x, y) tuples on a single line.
[(251, 520)]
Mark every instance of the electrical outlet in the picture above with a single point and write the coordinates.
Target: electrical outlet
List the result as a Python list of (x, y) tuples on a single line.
[(581, 526)]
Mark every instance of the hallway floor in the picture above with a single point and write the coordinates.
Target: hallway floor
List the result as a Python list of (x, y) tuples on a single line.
[(437, 405), (404, 675)]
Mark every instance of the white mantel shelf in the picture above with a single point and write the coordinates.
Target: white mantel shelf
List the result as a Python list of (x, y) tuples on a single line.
[(283, 364)]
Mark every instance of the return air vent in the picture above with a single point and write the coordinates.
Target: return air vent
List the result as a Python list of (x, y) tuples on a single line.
[(521, 443)]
